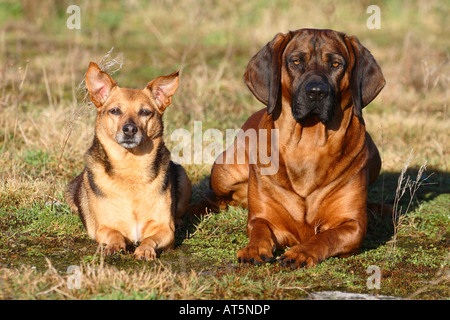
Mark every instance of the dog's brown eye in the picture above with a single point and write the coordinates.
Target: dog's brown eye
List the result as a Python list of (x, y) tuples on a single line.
[(145, 113), (335, 64), (296, 62), (115, 111)]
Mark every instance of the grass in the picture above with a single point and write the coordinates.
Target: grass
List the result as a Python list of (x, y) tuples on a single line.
[(43, 64), (203, 266)]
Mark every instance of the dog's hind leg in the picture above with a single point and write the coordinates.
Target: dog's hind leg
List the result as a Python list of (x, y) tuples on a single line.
[(183, 193), (228, 186), (72, 193), (229, 175)]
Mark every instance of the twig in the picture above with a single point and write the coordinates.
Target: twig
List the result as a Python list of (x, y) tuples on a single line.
[(105, 64), (24, 76), (443, 275), (50, 290), (298, 288), (405, 183), (47, 87)]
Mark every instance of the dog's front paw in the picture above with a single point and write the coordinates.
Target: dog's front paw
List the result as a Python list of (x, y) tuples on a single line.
[(115, 247), (256, 253), (145, 252), (298, 257)]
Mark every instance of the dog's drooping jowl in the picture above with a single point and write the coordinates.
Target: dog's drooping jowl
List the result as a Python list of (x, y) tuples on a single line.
[(130, 192)]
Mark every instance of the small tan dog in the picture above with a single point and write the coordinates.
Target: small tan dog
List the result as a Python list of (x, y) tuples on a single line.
[(130, 191)]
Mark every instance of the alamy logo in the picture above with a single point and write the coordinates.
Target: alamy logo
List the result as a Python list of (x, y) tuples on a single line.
[(74, 280), (374, 20), (374, 281), (253, 146), (74, 20)]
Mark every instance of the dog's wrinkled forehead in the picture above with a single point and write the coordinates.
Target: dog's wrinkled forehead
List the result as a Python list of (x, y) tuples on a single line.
[(316, 42)]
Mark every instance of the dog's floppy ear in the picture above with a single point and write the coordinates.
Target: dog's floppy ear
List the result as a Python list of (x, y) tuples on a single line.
[(367, 80), (99, 84), (263, 74), (163, 88)]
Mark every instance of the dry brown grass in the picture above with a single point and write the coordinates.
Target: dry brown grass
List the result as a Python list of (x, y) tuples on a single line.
[(105, 281), (211, 44)]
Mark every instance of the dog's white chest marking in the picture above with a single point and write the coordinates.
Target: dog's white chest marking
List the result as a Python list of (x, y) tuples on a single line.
[(136, 232)]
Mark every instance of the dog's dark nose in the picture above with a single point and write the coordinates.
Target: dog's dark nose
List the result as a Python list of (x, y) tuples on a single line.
[(316, 91), (129, 129)]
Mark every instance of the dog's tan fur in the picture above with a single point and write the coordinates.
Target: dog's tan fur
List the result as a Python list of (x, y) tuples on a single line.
[(130, 192)]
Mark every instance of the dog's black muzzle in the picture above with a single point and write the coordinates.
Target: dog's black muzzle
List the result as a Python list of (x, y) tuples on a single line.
[(314, 97)]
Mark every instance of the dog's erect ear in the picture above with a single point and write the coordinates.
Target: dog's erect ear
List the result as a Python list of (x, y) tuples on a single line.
[(263, 74), (99, 84), (163, 88), (367, 80)]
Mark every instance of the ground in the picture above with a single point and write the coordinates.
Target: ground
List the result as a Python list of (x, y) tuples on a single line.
[(46, 125)]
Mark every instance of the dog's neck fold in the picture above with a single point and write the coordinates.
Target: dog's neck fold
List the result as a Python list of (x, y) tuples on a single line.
[(311, 131)]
